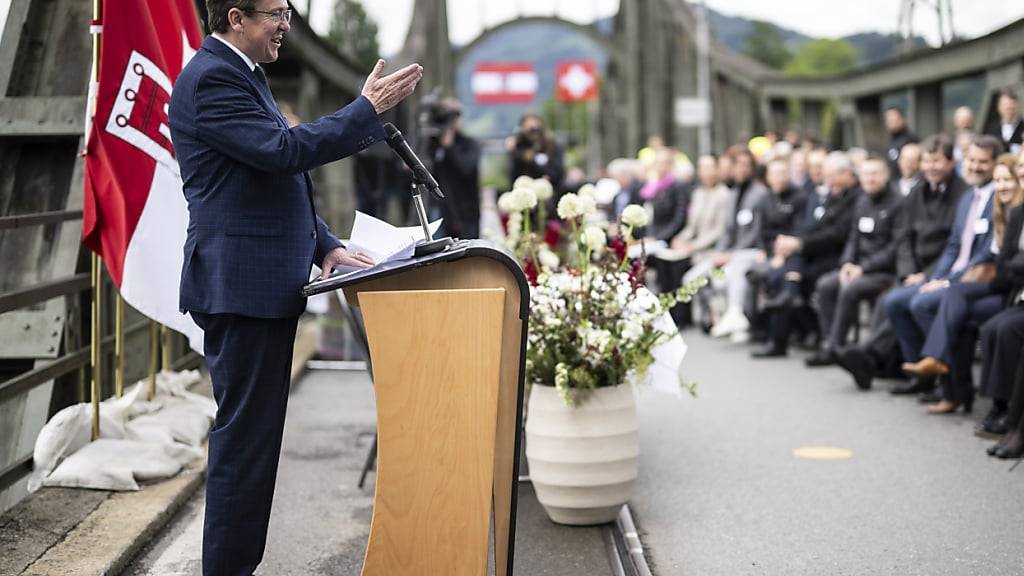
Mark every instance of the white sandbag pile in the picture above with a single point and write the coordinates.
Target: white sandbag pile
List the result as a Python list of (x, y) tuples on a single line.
[(139, 440)]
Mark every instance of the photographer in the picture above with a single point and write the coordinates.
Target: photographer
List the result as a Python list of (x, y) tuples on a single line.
[(456, 166), (534, 153)]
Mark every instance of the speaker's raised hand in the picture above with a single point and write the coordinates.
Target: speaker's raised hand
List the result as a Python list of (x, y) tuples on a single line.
[(384, 92)]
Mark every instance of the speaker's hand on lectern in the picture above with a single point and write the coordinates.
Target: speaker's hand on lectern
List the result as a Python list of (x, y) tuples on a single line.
[(386, 91), (341, 257)]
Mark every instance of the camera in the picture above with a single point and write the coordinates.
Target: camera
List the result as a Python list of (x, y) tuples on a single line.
[(436, 115)]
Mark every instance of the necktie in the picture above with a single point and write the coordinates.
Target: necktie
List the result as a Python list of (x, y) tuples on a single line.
[(261, 76), (967, 236)]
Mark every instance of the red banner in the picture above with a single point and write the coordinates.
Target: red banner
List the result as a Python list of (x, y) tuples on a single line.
[(504, 83), (576, 81)]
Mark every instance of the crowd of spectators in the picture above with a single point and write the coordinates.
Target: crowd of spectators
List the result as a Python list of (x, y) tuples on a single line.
[(897, 263)]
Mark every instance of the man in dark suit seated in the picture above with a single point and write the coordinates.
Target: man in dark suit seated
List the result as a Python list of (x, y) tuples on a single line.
[(799, 260), (1009, 128), (253, 238), (922, 230), (868, 263)]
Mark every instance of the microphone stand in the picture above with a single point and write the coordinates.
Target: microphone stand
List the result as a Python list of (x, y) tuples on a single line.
[(428, 245)]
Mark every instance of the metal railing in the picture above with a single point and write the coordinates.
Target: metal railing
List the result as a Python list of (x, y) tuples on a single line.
[(88, 357)]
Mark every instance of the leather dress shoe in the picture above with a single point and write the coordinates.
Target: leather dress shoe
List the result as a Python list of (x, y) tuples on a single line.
[(949, 407), (1013, 448), (914, 386), (821, 358), (926, 366), (859, 364), (994, 424), (769, 351)]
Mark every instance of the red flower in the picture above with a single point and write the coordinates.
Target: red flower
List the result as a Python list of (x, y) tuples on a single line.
[(531, 272), (636, 273), (618, 246), (553, 233), (504, 222)]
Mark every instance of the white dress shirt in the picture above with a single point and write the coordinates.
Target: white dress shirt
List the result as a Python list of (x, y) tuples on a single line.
[(248, 61)]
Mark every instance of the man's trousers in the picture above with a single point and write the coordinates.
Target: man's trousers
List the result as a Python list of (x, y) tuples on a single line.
[(250, 365)]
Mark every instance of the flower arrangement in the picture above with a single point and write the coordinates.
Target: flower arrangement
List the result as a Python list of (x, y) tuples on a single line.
[(592, 321)]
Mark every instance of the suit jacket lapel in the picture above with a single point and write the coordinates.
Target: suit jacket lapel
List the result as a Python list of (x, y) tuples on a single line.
[(227, 54)]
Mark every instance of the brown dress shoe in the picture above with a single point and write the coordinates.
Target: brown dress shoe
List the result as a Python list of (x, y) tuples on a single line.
[(927, 366), (949, 407)]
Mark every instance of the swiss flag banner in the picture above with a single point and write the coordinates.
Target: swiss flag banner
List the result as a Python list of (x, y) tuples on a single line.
[(576, 81), (135, 216)]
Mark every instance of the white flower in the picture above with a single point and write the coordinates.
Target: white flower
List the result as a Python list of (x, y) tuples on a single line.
[(594, 238), (548, 259), (588, 191), (523, 199), (569, 207), (588, 205), (632, 330), (515, 225), (597, 339), (542, 187), (523, 182), (634, 215), (505, 203)]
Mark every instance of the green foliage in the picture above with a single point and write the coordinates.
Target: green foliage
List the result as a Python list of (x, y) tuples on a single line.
[(354, 33), (823, 58), (766, 44)]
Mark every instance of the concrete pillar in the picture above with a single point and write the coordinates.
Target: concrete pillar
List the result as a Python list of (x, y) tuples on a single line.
[(926, 102), (629, 11)]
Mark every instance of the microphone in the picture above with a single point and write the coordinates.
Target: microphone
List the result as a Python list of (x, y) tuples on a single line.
[(419, 173)]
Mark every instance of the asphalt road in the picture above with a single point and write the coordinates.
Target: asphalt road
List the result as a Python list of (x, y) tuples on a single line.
[(321, 520), (721, 492)]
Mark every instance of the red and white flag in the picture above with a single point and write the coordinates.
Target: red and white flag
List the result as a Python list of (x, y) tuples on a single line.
[(576, 81), (135, 216), (504, 83)]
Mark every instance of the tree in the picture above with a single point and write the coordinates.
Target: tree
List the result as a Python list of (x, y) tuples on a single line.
[(766, 44), (823, 58), (354, 33)]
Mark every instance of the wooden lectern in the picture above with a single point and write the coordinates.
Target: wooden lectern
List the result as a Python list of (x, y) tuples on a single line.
[(447, 336)]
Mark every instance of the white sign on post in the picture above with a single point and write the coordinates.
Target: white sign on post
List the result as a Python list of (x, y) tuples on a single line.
[(692, 112)]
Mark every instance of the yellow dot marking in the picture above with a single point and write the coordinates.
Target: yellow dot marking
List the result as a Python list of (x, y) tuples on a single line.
[(822, 453)]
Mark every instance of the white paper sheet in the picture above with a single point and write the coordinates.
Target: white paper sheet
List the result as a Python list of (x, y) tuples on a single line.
[(383, 242)]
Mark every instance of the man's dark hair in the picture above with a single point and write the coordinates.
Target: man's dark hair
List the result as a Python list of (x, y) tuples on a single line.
[(938, 143), (217, 12), (1007, 93), (990, 143), (876, 157), (897, 110)]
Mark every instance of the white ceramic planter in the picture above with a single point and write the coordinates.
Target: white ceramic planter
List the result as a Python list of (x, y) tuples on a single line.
[(583, 460)]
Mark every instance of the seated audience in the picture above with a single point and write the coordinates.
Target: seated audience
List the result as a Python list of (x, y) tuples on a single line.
[(949, 348), (738, 249), (923, 228), (912, 308), (802, 258)]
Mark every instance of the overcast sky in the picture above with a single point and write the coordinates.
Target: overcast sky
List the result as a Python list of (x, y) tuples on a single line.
[(828, 18)]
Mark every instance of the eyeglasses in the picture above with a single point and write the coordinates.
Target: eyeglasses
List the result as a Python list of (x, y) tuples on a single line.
[(283, 15)]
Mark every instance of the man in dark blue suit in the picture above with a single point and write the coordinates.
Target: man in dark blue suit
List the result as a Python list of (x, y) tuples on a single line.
[(253, 237), (913, 307)]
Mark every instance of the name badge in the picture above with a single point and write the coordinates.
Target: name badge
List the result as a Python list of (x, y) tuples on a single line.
[(980, 226), (744, 217), (866, 225), (819, 212)]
